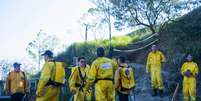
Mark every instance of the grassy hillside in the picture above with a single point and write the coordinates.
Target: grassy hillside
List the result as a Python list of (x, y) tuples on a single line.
[(88, 49)]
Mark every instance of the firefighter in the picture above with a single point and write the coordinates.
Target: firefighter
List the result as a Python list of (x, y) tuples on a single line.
[(102, 74), (45, 90), (154, 63), (77, 81), (124, 79), (189, 70), (16, 83)]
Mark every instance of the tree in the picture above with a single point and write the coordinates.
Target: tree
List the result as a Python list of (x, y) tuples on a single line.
[(41, 43), (149, 13), (5, 68), (103, 13), (94, 22)]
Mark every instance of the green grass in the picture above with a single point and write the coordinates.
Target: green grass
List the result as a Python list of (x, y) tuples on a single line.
[(119, 41)]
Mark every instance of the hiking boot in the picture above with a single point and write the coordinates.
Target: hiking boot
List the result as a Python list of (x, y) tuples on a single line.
[(154, 92), (161, 93)]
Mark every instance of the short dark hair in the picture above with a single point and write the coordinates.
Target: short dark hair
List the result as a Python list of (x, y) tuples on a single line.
[(122, 59), (81, 58), (100, 51)]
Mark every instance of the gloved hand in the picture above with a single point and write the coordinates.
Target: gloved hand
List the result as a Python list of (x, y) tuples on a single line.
[(74, 90), (87, 91), (147, 71), (188, 73), (27, 91), (7, 93), (41, 92), (133, 88)]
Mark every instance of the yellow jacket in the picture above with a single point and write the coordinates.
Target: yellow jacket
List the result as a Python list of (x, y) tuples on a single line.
[(102, 68), (44, 77), (75, 80), (192, 66), (155, 59), (16, 82), (50, 92), (123, 82), (87, 70)]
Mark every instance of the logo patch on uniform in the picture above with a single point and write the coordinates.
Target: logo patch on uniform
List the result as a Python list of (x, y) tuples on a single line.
[(106, 66)]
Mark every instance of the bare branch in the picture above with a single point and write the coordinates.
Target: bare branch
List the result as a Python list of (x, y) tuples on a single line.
[(136, 17)]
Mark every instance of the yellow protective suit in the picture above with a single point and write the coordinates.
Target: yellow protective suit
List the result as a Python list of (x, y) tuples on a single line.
[(189, 83), (75, 82), (89, 91), (16, 82), (50, 92), (102, 72), (153, 66), (124, 82)]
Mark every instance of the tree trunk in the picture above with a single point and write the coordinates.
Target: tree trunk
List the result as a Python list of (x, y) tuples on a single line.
[(153, 30)]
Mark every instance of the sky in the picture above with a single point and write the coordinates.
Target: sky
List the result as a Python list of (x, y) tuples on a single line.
[(20, 20)]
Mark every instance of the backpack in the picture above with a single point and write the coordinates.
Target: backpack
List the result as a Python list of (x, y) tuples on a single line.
[(57, 74), (126, 79)]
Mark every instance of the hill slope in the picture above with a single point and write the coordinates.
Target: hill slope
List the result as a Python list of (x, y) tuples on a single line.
[(179, 38)]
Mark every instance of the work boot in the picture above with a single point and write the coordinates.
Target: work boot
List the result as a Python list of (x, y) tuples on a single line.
[(161, 93), (154, 93)]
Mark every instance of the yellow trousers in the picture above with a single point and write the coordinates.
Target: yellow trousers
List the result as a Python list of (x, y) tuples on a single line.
[(52, 94), (156, 78), (89, 95), (189, 89), (104, 91), (80, 96)]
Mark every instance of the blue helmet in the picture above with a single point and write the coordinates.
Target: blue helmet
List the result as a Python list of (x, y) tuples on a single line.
[(48, 53), (16, 64)]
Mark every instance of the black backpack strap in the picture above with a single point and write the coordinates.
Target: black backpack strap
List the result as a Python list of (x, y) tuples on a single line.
[(24, 80), (80, 74), (54, 70), (9, 82), (82, 78), (120, 82)]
